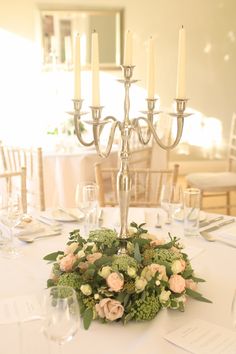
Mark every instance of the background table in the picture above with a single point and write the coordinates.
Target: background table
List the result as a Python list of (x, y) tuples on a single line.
[(216, 263)]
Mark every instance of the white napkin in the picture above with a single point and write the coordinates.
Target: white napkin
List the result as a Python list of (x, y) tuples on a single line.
[(34, 227)]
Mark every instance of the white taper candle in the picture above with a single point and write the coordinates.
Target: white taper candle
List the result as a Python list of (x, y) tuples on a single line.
[(77, 69), (95, 71), (181, 68)]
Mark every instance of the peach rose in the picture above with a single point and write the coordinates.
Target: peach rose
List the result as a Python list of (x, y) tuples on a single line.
[(154, 267), (190, 284), (66, 263), (156, 242), (83, 265), (109, 309), (177, 283), (93, 257), (115, 281)]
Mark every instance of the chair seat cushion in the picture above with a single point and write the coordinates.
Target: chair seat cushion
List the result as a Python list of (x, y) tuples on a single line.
[(212, 181)]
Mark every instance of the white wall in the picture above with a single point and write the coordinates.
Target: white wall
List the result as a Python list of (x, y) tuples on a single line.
[(211, 49)]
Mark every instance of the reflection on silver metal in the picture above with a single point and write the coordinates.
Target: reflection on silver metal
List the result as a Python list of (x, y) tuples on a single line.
[(125, 127)]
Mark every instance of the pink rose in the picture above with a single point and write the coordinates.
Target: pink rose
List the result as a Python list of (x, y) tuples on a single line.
[(156, 242), (190, 284), (66, 263), (115, 281), (109, 309), (93, 257), (177, 283)]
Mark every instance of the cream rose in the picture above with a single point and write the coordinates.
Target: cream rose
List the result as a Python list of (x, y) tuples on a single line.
[(109, 309), (71, 248), (115, 281), (177, 283), (67, 262), (105, 271), (93, 257), (178, 266), (86, 289), (140, 284)]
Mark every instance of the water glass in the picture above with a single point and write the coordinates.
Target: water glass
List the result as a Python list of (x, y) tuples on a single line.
[(86, 199), (191, 211), (176, 201), (61, 316)]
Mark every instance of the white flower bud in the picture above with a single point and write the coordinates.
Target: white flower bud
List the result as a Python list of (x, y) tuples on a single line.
[(164, 296), (86, 289), (131, 271)]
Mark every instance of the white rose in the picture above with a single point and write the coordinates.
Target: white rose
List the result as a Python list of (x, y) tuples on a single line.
[(80, 254), (164, 296), (140, 284), (86, 289), (178, 266), (131, 271), (105, 271)]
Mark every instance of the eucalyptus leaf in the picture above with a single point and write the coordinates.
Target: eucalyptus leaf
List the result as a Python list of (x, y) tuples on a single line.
[(87, 317), (196, 295), (52, 257), (137, 254)]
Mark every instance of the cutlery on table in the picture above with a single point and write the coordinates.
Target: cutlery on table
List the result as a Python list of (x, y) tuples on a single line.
[(158, 225), (31, 238), (68, 213), (207, 236), (208, 222), (45, 221)]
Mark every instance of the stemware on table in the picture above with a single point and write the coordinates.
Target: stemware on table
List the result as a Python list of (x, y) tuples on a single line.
[(61, 316), (11, 212), (86, 199)]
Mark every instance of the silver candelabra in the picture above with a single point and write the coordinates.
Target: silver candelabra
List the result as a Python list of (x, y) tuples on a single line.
[(125, 127)]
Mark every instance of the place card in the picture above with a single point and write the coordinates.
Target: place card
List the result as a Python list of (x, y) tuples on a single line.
[(19, 309), (202, 337)]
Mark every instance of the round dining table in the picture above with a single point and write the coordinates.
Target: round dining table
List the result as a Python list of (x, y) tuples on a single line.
[(27, 275)]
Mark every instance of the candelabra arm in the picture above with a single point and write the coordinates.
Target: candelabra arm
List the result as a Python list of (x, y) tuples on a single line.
[(97, 132), (77, 115)]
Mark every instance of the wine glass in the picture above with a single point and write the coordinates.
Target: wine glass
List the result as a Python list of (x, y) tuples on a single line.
[(233, 310), (61, 316), (165, 201), (86, 199), (10, 216)]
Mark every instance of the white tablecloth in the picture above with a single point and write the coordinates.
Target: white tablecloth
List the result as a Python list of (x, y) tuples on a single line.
[(216, 263)]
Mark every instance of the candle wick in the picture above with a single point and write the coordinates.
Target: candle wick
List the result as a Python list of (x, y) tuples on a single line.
[(94, 31), (182, 26)]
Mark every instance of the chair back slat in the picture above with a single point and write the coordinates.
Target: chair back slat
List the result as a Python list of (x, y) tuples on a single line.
[(146, 185), (14, 159)]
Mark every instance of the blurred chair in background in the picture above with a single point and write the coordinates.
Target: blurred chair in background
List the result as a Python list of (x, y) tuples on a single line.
[(14, 182), (146, 185), (217, 184), (14, 158)]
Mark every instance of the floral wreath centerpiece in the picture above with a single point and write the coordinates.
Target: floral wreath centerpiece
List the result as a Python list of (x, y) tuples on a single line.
[(154, 274)]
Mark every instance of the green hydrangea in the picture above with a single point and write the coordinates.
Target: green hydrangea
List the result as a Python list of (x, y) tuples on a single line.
[(148, 256), (106, 237), (145, 309), (122, 262), (165, 255), (70, 279)]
